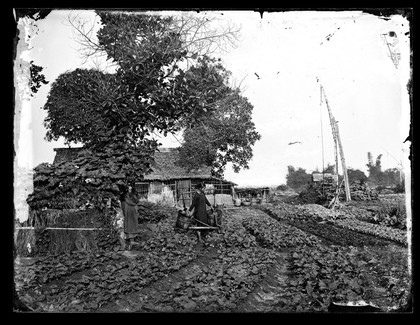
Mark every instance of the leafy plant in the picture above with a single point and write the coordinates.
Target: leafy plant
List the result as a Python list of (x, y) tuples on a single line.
[(282, 187), (309, 221), (275, 234)]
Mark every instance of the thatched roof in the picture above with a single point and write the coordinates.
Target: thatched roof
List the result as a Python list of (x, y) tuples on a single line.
[(66, 154), (164, 168)]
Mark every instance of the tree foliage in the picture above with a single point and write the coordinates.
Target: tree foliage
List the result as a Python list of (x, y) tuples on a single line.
[(356, 175), (330, 169), (375, 170), (137, 99), (392, 176), (377, 177), (115, 114), (223, 132), (389, 177), (74, 102), (37, 78), (297, 178)]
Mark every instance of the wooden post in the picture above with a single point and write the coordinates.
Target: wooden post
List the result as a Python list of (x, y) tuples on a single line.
[(336, 160), (343, 163)]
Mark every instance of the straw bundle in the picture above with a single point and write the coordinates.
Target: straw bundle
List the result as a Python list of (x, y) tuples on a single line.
[(61, 240), (57, 231), (25, 241)]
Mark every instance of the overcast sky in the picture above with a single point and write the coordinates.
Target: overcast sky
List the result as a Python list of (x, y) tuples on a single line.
[(288, 50)]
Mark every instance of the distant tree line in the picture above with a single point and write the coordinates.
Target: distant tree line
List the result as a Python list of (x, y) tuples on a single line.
[(298, 177)]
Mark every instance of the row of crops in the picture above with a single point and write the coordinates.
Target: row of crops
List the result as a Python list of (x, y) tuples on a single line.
[(223, 272)]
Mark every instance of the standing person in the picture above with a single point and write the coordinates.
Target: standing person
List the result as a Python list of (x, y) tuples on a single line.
[(129, 207), (199, 204)]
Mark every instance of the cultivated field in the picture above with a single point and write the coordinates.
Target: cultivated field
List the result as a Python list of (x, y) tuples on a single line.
[(274, 257)]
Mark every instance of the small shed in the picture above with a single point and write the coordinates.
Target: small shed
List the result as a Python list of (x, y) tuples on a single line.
[(170, 182)]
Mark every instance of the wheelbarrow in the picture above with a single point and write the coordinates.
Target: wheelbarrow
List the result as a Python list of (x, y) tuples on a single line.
[(187, 221)]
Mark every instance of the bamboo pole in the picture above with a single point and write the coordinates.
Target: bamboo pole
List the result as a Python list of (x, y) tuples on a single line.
[(343, 163), (337, 140)]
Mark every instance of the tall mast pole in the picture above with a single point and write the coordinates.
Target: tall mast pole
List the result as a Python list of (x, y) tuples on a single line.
[(337, 142)]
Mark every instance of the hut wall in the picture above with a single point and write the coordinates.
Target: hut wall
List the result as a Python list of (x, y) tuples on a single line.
[(183, 192), (161, 192)]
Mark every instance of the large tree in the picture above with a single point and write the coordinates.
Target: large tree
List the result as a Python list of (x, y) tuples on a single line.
[(224, 133), (297, 178), (115, 114), (392, 176), (356, 175), (376, 176), (137, 99)]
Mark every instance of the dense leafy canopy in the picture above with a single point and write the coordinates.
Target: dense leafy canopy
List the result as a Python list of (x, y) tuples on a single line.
[(137, 99), (375, 169), (356, 175), (297, 178), (73, 102), (115, 114), (377, 177), (224, 133), (111, 114)]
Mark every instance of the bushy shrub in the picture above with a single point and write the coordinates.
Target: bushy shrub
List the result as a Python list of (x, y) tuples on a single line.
[(282, 187), (393, 213), (400, 188)]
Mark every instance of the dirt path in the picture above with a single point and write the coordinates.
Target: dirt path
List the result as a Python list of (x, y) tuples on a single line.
[(152, 297), (158, 296), (270, 291), (268, 294)]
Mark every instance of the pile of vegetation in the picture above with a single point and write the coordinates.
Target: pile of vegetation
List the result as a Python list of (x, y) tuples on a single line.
[(323, 192), (318, 193)]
